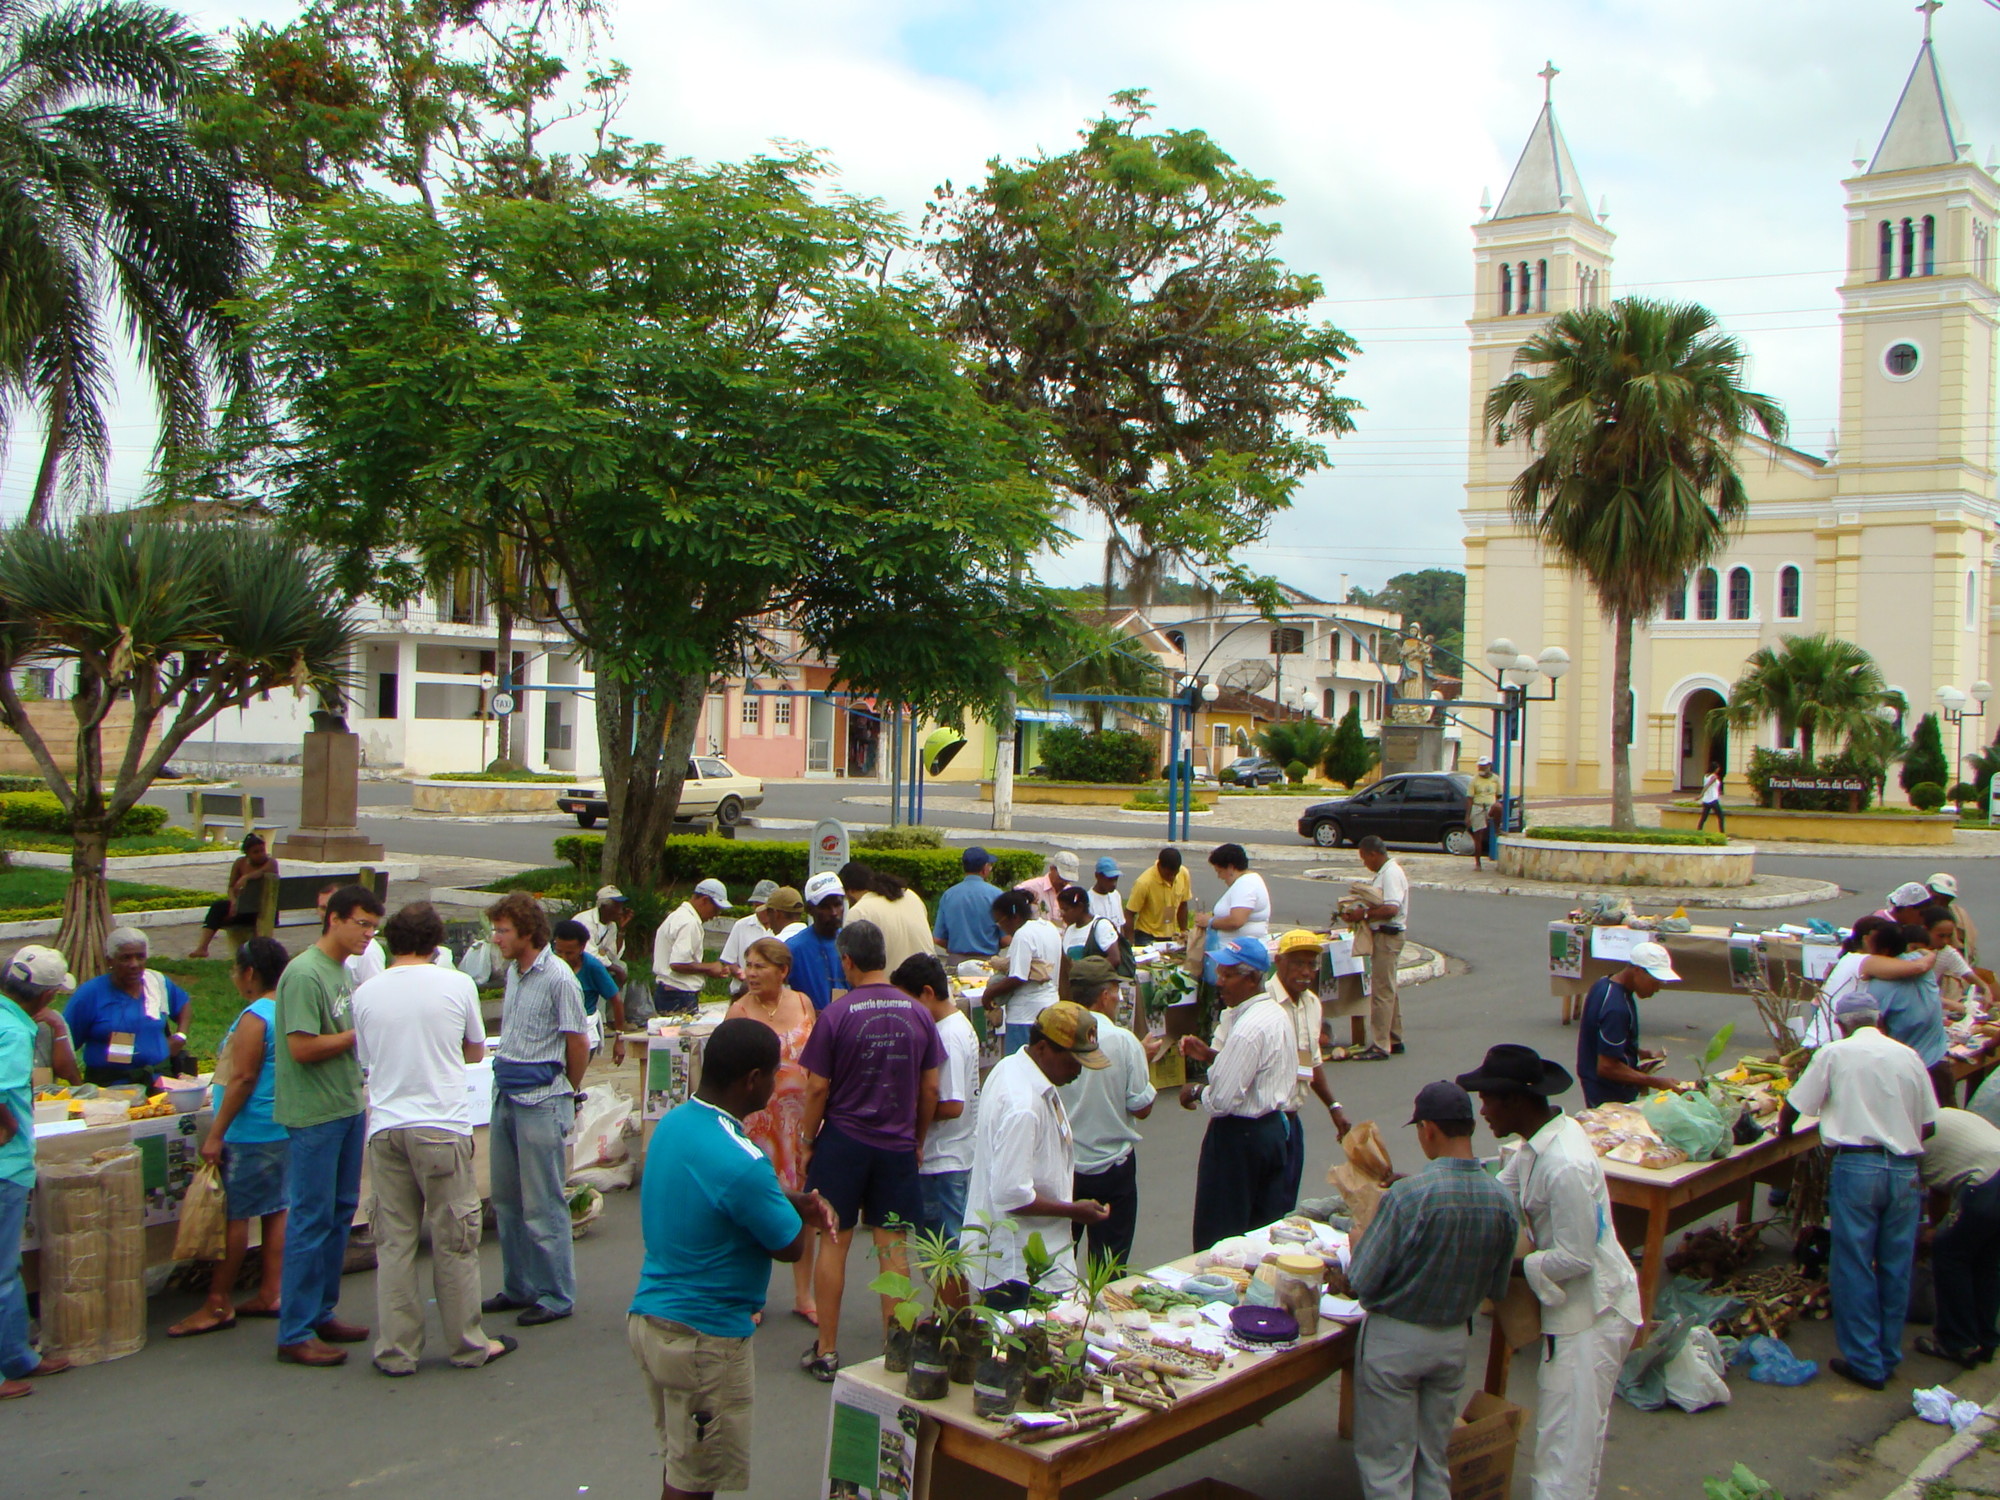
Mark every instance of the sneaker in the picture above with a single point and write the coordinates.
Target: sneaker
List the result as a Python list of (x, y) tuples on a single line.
[(822, 1367)]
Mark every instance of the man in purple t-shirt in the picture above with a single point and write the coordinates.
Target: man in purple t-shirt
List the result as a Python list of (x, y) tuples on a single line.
[(871, 1089)]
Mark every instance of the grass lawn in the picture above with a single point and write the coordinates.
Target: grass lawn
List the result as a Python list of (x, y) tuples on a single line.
[(166, 841), (216, 1003), (28, 893)]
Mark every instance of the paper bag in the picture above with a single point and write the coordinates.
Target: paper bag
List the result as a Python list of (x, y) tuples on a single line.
[(204, 1226), (1364, 1176)]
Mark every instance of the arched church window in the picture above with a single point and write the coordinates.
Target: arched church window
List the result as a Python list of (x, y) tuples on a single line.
[(1526, 300), (1909, 247), (1506, 289), (1677, 603), (1739, 593), (1707, 592), (1541, 286), (1788, 592), (1930, 245), (1888, 251)]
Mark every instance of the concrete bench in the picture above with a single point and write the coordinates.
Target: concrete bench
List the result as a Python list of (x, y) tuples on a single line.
[(212, 809)]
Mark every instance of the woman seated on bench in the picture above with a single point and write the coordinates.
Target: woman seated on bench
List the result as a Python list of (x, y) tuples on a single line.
[(255, 863)]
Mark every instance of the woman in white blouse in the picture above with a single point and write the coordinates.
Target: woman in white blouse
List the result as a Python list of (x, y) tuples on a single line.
[(1243, 910)]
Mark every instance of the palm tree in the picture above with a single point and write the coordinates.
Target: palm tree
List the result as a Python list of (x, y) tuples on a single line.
[(181, 620), (105, 201), (1826, 688), (1099, 658), (1634, 414)]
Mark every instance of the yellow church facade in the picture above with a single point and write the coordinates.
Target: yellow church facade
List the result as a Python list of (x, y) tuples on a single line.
[(1889, 541)]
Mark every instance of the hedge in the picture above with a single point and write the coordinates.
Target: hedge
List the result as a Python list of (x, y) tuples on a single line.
[(40, 812), (1629, 836), (741, 863)]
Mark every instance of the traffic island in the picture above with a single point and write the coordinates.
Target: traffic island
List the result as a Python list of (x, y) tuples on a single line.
[(1624, 862), (484, 798), (1882, 826)]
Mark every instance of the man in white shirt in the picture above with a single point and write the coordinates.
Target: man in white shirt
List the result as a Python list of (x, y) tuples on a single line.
[(1034, 964), (678, 965), (1239, 1183), (1962, 1158), (1388, 919), (780, 912), (606, 926), (944, 1168), (1875, 1104), (1023, 1163), (416, 1026), (1104, 1107), (1578, 1271), (1106, 900)]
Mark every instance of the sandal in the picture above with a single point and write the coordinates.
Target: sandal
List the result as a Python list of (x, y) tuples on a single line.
[(1368, 1054), (255, 1310), (822, 1367), (181, 1330), (1966, 1359)]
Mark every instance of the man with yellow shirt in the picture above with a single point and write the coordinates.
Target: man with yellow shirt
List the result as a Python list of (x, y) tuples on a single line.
[(1156, 911)]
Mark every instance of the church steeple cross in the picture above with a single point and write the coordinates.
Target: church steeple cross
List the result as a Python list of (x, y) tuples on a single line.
[(1549, 69), (1929, 9)]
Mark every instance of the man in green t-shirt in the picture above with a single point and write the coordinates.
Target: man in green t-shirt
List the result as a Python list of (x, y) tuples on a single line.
[(319, 1101)]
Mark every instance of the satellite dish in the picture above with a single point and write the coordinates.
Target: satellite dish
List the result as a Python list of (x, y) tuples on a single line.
[(1249, 676)]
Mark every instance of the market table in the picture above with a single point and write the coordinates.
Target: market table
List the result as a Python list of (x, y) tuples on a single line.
[(1648, 1203), (1715, 960), (963, 1456)]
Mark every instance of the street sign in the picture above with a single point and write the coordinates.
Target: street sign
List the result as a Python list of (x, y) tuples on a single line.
[(502, 704), (828, 849), (488, 681)]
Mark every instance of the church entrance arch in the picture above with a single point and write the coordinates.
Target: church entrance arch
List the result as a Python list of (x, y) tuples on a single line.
[(1699, 747)]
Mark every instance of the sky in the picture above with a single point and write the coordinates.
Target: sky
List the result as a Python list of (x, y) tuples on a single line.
[(1717, 131)]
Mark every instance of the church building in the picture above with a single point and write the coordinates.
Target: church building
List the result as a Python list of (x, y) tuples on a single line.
[(1888, 541)]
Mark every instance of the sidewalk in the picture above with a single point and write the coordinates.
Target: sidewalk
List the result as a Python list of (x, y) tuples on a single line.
[(1919, 1460)]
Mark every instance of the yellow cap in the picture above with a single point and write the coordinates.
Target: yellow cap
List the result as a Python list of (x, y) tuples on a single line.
[(1074, 1029), (1300, 938)]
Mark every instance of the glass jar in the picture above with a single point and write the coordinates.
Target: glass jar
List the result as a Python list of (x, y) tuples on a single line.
[(1298, 1280)]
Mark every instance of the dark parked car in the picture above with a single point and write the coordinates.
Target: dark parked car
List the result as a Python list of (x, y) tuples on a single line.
[(1256, 770), (1421, 808)]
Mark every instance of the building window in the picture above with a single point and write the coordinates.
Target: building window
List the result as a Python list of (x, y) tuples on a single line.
[(1930, 245), (1707, 592), (1288, 640), (1354, 701), (1887, 264), (1177, 640), (1971, 599), (1909, 247), (1739, 593), (1527, 298), (1788, 592), (1677, 604), (1541, 286), (1221, 734), (1788, 734), (1506, 289), (781, 714), (1901, 360), (752, 711), (1354, 645)]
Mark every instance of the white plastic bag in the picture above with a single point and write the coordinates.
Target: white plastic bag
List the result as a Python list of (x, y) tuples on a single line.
[(477, 965), (1695, 1375), (598, 1138)]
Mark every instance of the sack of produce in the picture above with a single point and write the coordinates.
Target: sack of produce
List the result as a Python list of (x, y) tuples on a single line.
[(1689, 1122), (204, 1226)]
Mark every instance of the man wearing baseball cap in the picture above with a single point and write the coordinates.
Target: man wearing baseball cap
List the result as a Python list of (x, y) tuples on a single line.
[(1023, 1162), (606, 925), (35, 972), (678, 948), (32, 979), (1240, 1180), (1441, 1243), (816, 971), (778, 910), (1578, 1271), (1607, 1038), (1064, 868), (1105, 901)]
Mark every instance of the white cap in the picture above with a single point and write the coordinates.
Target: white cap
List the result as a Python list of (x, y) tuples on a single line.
[(1652, 957), (1066, 865), (715, 890), (1486, 760), (822, 885), (1909, 893), (1944, 885), (609, 893), (39, 968)]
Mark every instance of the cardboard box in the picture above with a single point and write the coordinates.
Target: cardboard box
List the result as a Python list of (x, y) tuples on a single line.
[(1482, 1448)]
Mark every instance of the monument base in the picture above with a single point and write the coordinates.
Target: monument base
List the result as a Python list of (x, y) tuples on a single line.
[(330, 846), (1412, 747)]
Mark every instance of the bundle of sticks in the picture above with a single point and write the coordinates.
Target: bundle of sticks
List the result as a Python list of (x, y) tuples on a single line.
[(1074, 1420), (1774, 1299)]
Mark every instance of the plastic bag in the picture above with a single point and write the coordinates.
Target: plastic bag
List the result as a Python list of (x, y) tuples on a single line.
[(1772, 1362), (1690, 1122), (204, 1227), (599, 1137), (1694, 1376), (477, 963), (1936, 1404)]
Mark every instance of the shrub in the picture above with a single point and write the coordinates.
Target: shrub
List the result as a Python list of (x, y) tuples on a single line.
[(1106, 756), (906, 836), (1961, 792), (1764, 764), (1925, 760), (1226, 776), (1927, 795), (1295, 773), (499, 776), (741, 863), (40, 812), (1585, 835), (1348, 757)]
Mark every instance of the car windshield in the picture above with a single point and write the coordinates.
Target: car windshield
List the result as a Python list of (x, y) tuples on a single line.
[(711, 766)]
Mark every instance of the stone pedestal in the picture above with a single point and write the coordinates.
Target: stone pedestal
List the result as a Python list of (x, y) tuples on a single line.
[(328, 800), (1412, 747)]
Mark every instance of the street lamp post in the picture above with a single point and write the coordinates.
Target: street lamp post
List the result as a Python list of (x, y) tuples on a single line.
[(1514, 672), (1952, 701)]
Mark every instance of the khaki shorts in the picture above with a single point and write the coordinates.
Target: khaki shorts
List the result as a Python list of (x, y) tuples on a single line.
[(701, 1388)]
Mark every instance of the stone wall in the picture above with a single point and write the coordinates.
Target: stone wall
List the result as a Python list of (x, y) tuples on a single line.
[(1666, 865)]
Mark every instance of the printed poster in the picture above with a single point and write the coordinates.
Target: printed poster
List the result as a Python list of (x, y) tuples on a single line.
[(877, 1446), (1748, 967), (1817, 958), (1615, 944), (673, 1066), (1566, 950)]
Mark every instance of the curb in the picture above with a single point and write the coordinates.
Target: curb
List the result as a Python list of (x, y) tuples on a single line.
[(170, 916), (44, 859), (1952, 1451), (1818, 890)]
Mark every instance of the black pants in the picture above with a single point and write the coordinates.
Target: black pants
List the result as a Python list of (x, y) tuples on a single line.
[(1117, 1187), (1295, 1160), (1240, 1182), (1720, 821), (1965, 1259)]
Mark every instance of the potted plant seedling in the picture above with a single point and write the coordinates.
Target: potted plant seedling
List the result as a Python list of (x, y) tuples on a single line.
[(906, 1311)]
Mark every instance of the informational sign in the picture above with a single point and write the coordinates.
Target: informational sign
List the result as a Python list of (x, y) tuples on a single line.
[(502, 704), (673, 1070), (876, 1444), (1818, 784), (1817, 958), (1615, 944), (828, 850), (1567, 946)]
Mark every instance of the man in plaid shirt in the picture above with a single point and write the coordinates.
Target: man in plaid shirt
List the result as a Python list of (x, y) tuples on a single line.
[(1440, 1244)]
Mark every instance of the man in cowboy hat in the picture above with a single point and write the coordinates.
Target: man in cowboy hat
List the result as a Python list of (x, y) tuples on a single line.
[(1480, 810), (1577, 1269)]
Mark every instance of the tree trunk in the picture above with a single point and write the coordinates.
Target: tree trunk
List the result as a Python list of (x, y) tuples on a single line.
[(1621, 725), (645, 733), (51, 470), (86, 914), (1003, 760), (503, 661)]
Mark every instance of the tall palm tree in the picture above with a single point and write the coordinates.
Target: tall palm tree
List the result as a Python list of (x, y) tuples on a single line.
[(1829, 689), (1634, 414), (106, 202)]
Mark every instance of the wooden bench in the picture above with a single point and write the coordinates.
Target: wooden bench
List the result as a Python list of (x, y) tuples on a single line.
[(211, 809), (267, 902)]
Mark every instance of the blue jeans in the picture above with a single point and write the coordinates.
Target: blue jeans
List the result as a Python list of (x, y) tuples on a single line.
[(944, 1203), (1017, 1038), (16, 1358), (530, 1166), (1872, 1207), (323, 1187)]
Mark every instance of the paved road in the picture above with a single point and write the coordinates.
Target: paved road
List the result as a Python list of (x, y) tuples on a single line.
[(218, 1419)]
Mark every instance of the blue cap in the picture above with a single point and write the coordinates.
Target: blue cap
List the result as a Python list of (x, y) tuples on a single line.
[(1249, 953), (975, 859), (1106, 865)]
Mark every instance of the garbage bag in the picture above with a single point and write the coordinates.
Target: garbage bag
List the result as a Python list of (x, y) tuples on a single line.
[(1694, 1377), (1772, 1362), (1690, 1122)]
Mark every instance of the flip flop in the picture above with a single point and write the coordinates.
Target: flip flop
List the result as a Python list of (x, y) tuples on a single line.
[(806, 1317), (507, 1347), (180, 1332), (247, 1311)]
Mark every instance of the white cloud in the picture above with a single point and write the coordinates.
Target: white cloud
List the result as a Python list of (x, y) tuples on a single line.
[(1718, 131)]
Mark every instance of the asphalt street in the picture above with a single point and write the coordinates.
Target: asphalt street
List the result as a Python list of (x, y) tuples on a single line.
[(217, 1418)]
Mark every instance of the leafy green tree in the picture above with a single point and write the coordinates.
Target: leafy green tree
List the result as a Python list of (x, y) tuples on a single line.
[(1926, 759), (1288, 740), (1349, 757), (106, 204), (1983, 764), (1825, 688), (1634, 415), (1110, 755), (179, 620), (1100, 659), (1433, 597), (1128, 296), (700, 402)]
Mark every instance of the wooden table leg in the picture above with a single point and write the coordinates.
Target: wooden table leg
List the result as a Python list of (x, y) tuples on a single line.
[(1044, 1485), (1649, 1269), (1746, 1207)]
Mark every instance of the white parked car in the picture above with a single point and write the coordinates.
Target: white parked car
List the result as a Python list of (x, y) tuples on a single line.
[(714, 788)]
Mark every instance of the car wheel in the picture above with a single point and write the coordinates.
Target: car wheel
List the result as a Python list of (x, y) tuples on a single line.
[(1327, 834), (1459, 841), (586, 820), (729, 812)]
